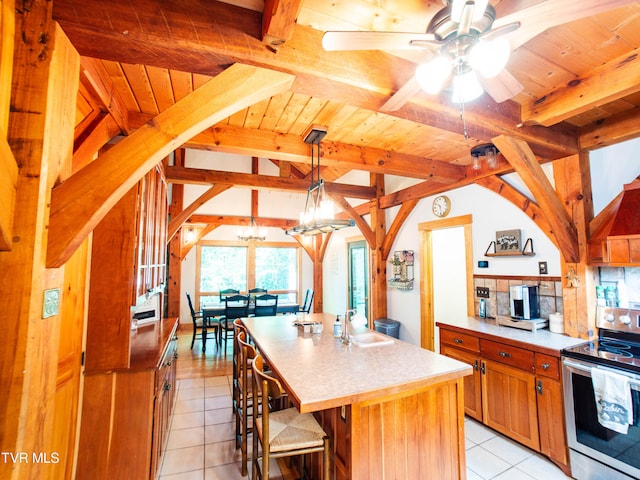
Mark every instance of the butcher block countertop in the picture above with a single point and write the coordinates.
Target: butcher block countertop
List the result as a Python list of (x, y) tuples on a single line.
[(319, 372), (542, 341)]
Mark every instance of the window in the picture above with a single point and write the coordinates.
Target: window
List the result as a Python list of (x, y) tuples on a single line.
[(274, 267)]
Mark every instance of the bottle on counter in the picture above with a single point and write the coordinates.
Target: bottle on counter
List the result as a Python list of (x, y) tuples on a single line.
[(483, 308), (337, 328)]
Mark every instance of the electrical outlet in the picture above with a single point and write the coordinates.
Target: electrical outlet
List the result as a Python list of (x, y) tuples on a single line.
[(542, 268), (482, 292)]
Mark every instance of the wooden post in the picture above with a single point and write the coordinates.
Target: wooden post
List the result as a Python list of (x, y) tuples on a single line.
[(40, 133), (573, 185), (378, 257), (174, 277)]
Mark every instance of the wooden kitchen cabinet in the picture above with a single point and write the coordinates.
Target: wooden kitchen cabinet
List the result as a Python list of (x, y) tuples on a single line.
[(466, 348), (517, 391), (509, 404), (126, 412)]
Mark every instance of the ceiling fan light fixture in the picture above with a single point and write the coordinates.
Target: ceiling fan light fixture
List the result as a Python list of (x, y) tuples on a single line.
[(466, 87), (458, 7), (432, 76), (490, 57)]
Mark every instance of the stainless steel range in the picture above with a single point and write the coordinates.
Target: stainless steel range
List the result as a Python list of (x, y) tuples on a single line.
[(602, 399)]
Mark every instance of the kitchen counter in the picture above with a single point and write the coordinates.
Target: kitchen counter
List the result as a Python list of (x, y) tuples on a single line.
[(542, 341), (320, 372), (388, 408)]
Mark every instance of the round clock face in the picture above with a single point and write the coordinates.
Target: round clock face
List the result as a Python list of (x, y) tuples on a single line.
[(441, 206)]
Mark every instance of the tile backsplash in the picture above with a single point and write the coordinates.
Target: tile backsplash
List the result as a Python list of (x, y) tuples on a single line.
[(550, 292)]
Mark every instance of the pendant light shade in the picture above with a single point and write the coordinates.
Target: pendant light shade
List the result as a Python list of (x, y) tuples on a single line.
[(252, 232), (317, 216)]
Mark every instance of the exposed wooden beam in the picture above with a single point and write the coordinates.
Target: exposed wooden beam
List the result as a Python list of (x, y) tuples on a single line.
[(610, 81), (278, 21), (86, 147), (531, 209), (609, 131), (262, 182), (283, 223), (523, 160), (79, 204), (405, 209), (177, 221), (351, 213), (94, 74), (291, 148), (222, 34)]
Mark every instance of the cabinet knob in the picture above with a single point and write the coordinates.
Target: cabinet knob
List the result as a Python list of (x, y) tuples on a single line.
[(539, 387), (458, 340), (504, 354), (545, 366), (167, 387), (475, 365)]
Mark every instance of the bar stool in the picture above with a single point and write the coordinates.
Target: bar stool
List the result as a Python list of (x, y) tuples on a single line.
[(236, 393), (245, 408), (282, 433)]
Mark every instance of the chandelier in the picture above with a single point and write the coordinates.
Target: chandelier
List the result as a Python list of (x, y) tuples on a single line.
[(318, 214), (252, 232)]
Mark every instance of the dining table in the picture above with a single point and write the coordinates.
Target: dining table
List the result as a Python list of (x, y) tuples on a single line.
[(211, 311)]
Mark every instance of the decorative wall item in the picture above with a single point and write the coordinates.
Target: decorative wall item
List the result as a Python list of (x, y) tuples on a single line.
[(402, 269), (508, 242)]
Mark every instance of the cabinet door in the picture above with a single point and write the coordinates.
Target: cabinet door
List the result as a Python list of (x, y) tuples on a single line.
[(553, 442), (472, 383), (509, 404)]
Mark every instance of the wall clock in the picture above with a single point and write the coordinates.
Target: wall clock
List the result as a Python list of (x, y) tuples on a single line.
[(441, 206)]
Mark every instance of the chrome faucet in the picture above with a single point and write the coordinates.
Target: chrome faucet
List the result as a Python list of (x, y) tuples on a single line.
[(346, 338)]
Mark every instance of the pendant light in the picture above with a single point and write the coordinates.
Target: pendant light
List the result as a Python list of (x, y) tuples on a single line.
[(252, 232), (317, 216)]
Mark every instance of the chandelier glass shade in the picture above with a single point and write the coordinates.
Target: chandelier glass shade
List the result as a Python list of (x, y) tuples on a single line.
[(318, 214), (252, 232)]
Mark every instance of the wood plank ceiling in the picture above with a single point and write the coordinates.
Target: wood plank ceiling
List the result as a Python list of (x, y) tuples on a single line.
[(581, 83)]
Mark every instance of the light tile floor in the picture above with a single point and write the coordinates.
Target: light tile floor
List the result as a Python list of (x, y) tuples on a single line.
[(201, 443)]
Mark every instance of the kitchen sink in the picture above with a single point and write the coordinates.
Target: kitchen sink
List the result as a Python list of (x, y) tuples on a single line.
[(370, 339)]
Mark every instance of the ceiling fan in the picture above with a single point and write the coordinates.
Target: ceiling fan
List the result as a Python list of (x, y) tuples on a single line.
[(469, 47)]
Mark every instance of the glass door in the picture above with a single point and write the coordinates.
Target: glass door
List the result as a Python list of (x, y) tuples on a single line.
[(359, 277)]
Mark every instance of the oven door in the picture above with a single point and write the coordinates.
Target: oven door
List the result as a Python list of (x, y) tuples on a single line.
[(595, 451)]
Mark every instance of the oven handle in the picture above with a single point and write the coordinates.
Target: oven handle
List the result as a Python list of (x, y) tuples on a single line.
[(633, 380)]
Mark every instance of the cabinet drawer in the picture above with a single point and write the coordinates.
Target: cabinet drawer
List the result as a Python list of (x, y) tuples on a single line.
[(460, 340), (548, 366), (514, 356)]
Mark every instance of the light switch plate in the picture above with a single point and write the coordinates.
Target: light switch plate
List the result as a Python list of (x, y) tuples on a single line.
[(482, 292), (542, 268), (51, 302)]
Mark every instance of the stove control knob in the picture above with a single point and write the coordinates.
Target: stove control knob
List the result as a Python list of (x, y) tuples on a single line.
[(609, 317), (626, 319)]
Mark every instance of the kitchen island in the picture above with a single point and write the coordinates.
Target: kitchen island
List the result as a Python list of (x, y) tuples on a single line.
[(393, 410)]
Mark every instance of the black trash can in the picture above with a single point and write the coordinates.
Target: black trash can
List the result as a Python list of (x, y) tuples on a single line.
[(388, 327)]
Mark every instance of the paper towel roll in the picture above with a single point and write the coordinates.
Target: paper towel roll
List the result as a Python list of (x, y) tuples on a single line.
[(556, 323)]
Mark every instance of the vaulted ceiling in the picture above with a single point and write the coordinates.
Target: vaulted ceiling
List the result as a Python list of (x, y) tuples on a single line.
[(581, 82)]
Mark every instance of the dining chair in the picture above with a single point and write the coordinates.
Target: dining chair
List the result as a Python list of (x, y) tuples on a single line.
[(308, 301), (266, 305), (202, 327), (254, 292), (235, 306), (227, 292), (282, 433)]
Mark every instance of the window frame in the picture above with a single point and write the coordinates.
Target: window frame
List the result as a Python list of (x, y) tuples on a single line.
[(251, 265)]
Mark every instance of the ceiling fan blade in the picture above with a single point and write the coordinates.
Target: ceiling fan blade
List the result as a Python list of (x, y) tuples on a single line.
[(366, 40), (550, 13), (402, 96), (503, 30), (501, 87)]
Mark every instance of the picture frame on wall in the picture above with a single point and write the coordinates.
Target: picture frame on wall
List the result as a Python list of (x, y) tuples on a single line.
[(508, 242)]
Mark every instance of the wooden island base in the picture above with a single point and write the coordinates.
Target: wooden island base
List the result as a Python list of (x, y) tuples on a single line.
[(416, 435)]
